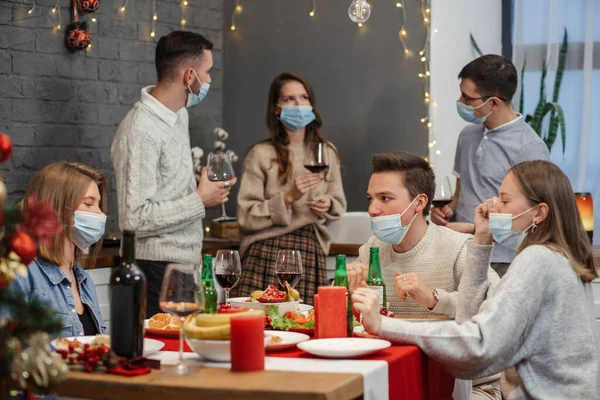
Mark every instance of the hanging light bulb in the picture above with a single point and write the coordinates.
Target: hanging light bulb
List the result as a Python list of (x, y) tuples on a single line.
[(359, 11)]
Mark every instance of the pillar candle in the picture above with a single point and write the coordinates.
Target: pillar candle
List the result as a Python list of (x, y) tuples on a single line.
[(316, 306), (248, 343), (332, 321)]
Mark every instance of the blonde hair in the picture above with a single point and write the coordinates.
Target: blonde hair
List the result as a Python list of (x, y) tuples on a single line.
[(562, 230), (63, 185)]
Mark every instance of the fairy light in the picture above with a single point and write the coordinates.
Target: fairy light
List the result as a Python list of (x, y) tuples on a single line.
[(236, 9), (94, 19), (154, 19), (183, 22), (56, 15), (360, 25), (124, 6), (424, 119), (185, 3), (33, 5), (313, 9), (402, 33), (184, 13)]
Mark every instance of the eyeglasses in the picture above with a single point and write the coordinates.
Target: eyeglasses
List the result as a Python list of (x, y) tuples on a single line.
[(467, 98)]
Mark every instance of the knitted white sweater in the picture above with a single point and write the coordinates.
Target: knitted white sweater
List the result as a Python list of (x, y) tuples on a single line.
[(438, 259)]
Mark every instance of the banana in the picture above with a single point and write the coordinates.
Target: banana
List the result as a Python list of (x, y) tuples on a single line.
[(221, 332)]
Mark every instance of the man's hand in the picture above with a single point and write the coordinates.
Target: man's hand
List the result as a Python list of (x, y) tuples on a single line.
[(213, 193), (411, 284), (441, 215), (357, 275)]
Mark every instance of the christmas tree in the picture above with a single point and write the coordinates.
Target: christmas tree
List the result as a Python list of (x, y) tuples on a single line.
[(25, 359)]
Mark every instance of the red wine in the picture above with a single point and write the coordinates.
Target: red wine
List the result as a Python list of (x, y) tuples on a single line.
[(179, 309), (316, 169), (127, 303), (442, 202), (291, 277), (227, 281)]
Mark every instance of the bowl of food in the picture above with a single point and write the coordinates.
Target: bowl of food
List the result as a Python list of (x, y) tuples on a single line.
[(163, 325), (286, 301), (208, 334)]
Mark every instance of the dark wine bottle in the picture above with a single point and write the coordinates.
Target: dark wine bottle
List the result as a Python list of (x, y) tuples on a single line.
[(127, 303)]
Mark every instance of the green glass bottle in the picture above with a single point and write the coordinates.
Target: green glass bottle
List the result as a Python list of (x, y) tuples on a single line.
[(375, 277), (208, 285), (341, 279)]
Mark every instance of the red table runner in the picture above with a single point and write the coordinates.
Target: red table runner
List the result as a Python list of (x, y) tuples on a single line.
[(412, 375)]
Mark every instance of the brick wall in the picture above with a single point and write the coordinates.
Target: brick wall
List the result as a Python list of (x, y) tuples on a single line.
[(56, 105)]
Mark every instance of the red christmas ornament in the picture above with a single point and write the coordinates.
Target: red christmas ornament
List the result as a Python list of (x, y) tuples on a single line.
[(88, 5), (5, 147), (24, 246), (78, 38)]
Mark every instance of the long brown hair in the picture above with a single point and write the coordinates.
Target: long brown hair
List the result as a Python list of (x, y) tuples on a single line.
[(63, 185), (279, 138), (562, 230)]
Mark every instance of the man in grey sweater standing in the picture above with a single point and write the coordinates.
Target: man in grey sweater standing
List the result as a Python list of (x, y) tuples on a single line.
[(157, 192), (497, 139)]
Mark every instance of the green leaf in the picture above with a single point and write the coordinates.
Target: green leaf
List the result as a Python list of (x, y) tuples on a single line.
[(283, 323), (536, 122), (475, 45), (522, 97), (557, 119), (562, 57)]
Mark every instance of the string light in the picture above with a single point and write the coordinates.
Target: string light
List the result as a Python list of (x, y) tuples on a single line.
[(313, 10), (424, 119), (33, 6), (238, 9), (183, 22), (124, 6), (56, 15), (154, 19), (185, 3), (360, 25), (402, 34), (184, 15), (94, 19)]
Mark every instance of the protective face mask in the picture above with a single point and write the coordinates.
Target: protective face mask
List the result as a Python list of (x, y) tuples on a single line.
[(196, 98), (467, 112), (88, 228), (389, 229), (296, 117), (501, 229)]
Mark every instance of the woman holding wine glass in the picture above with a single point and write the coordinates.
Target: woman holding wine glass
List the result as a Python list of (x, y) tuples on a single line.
[(282, 203)]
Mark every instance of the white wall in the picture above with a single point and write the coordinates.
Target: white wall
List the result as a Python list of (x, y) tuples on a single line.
[(450, 51)]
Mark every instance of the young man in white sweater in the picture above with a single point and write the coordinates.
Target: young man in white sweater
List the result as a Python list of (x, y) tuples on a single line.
[(156, 189), (422, 263)]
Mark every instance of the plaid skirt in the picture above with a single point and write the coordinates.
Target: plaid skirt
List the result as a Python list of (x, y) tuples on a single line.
[(258, 264)]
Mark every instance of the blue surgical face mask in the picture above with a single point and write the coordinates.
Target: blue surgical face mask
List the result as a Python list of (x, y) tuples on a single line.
[(467, 112), (389, 229), (196, 98), (296, 117), (501, 229), (88, 228)]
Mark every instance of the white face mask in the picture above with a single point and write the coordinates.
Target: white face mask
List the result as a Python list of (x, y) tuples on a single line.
[(389, 229), (196, 98), (88, 228), (501, 229)]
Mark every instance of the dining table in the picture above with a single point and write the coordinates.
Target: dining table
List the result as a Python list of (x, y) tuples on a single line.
[(398, 372)]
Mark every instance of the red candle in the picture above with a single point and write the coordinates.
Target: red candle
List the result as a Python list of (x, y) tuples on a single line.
[(248, 343), (316, 305), (332, 321)]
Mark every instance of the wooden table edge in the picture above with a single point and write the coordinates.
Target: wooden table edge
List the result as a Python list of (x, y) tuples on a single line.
[(216, 384)]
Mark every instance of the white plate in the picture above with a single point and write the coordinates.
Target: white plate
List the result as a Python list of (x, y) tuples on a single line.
[(343, 347), (151, 346), (288, 340), (213, 350), (283, 307)]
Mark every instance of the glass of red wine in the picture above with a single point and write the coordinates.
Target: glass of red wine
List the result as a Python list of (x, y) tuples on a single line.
[(443, 192), (228, 270), (288, 267), (316, 160), (220, 170), (180, 295)]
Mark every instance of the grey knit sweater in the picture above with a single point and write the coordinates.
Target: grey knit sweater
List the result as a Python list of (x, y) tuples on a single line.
[(156, 188), (539, 318)]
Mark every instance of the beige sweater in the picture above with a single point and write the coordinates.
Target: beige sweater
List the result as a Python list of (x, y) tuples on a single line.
[(261, 210), (438, 259)]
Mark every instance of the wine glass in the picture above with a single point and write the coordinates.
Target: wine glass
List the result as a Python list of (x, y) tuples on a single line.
[(228, 270), (220, 170), (181, 295), (316, 160), (288, 267), (443, 192)]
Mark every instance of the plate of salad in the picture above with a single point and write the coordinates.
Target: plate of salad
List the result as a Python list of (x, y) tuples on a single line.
[(301, 322)]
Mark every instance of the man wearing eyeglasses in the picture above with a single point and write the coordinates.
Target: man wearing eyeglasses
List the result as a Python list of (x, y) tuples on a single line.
[(496, 139)]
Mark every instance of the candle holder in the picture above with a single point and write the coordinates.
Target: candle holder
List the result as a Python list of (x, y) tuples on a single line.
[(585, 205)]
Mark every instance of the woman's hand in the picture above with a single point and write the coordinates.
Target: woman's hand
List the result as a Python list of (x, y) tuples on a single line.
[(483, 236), (302, 185), (411, 284), (366, 301), (321, 205)]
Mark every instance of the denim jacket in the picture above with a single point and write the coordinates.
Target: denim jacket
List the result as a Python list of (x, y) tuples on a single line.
[(47, 282)]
